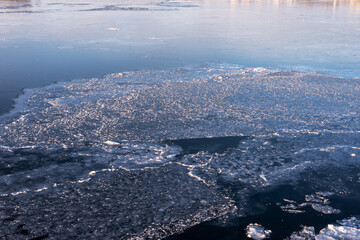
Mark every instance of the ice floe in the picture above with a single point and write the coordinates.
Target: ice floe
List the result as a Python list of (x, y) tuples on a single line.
[(209, 123), (318, 201), (257, 232), (348, 229)]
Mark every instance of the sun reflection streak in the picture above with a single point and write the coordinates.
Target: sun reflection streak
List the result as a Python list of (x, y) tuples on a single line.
[(353, 4)]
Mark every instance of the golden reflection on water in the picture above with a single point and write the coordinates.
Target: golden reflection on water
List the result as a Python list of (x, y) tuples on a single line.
[(30, 5), (352, 4)]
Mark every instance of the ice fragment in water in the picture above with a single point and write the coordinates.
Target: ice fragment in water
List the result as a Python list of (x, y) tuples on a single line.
[(334, 232), (325, 209), (348, 229), (306, 233), (257, 232), (317, 201)]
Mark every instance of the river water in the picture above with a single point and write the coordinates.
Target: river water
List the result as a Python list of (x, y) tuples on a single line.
[(179, 119)]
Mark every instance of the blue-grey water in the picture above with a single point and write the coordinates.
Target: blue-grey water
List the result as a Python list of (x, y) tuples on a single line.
[(179, 119)]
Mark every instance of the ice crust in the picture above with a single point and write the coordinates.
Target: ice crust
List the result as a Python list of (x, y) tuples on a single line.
[(256, 128), (139, 204), (307, 233), (318, 201), (348, 229), (257, 232)]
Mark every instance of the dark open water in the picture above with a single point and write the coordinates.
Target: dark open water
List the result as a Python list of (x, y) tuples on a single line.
[(188, 120)]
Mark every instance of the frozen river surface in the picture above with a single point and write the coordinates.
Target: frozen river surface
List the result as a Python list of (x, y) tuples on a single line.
[(215, 120)]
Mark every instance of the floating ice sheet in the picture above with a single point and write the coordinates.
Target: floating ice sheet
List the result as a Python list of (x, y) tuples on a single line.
[(344, 229), (257, 232), (319, 202), (275, 123), (306, 233), (141, 204), (234, 131)]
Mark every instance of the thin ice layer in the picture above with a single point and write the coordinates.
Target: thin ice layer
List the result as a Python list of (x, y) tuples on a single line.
[(31, 168), (291, 121), (183, 104), (255, 128), (141, 204)]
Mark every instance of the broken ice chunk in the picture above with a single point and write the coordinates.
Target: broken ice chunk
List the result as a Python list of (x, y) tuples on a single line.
[(306, 233), (325, 209), (257, 232)]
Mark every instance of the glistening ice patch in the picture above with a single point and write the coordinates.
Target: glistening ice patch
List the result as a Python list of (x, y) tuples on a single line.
[(228, 132)]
